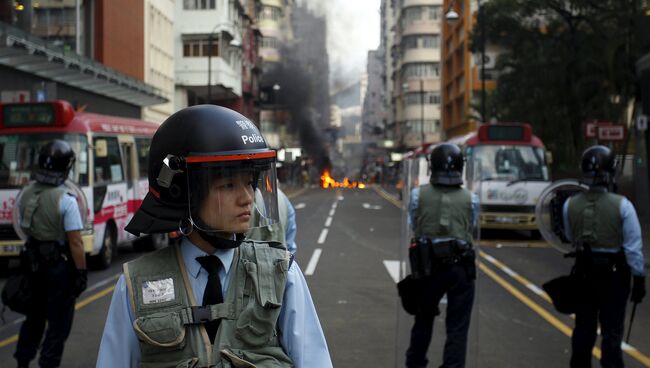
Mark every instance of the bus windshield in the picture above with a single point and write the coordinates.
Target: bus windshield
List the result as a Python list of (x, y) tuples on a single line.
[(19, 156), (508, 163)]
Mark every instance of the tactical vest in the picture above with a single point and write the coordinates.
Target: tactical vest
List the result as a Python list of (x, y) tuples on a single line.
[(444, 212), (170, 330), (595, 219), (39, 212), (275, 232)]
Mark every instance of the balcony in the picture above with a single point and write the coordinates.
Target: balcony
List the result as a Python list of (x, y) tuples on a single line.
[(193, 72), (422, 27), (415, 112), (418, 55), (408, 3)]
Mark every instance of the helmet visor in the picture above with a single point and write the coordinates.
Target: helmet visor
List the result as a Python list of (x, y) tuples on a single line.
[(232, 197)]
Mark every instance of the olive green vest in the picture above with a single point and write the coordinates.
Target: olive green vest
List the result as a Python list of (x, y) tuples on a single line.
[(595, 219), (39, 212), (275, 232), (171, 335), (444, 212)]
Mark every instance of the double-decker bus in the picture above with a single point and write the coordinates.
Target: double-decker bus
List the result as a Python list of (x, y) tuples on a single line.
[(110, 168), (507, 166)]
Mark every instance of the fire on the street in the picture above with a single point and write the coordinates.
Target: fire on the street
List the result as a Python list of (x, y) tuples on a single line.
[(328, 182)]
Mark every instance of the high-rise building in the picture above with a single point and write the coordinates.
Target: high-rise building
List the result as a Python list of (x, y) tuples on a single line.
[(91, 53), (462, 84)]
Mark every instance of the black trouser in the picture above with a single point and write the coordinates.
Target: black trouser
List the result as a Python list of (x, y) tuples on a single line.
[(55, 305), (604, 301), (458, 284)]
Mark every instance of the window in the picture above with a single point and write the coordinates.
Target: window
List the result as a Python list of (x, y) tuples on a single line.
[(421, 42), (108, 161), (429, 98), (200, 48), (415, 126), (421, 70), (271, 13), (142, 146), (199, 4), (270, 42)]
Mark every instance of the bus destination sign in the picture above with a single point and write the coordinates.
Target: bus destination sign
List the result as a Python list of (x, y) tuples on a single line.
[(26, 115)]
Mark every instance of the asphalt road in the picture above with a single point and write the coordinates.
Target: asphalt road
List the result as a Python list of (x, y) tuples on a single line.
[(349, 247)]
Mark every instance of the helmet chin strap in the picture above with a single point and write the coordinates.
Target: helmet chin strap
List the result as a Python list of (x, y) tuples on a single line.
[(216, 241)]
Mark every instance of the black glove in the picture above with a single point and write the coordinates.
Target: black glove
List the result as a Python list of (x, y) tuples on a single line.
[(638, 289), (79, 282)]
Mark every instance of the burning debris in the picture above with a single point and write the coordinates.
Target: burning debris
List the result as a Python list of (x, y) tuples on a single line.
[(328, 182)]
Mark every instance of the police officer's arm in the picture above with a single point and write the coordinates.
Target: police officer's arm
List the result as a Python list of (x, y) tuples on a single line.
[(632, 243), (476, 209), (290, 234), (301, 333), (73, 225)]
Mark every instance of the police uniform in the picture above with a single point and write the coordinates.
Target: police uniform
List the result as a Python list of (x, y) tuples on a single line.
[(605, 231), (443, 216), (207, 166), (284, 231), (47, 213)]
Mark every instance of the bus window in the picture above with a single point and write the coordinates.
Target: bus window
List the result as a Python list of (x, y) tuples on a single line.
[(509, 163), (19, 156), (108, 163), (142, 147)]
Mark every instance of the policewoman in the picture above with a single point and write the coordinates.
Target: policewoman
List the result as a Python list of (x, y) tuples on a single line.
[(54, 256), (604, 229), (443, 217), (213, 299)]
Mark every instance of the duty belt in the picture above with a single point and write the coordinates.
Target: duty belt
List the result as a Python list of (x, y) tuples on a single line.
[(427, 256)]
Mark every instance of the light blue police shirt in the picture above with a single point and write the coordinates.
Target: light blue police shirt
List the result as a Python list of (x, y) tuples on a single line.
[(632, 243), (301, 333), (413, 207), (290, 232)]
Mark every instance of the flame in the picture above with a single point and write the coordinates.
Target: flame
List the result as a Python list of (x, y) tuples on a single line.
[(328, 182), (269, 187)]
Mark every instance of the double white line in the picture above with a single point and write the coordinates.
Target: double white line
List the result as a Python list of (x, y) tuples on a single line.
[(313, 261)]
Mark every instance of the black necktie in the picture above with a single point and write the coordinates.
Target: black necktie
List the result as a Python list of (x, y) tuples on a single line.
[(212, 293)]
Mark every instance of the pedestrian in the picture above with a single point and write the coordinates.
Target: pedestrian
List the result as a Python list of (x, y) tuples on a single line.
[(283, 231), (604, 229), (53, 257), (213, 298), (443, 216)]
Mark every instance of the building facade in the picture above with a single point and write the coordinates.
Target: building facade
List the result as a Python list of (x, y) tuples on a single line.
[(461, 71), (87, 52)]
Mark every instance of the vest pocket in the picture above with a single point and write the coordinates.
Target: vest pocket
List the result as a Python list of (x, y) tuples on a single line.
[(264, 291), (188, 363), (161, 331)]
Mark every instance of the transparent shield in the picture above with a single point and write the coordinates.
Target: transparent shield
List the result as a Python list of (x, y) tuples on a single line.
[(414, 174), (232, 198), (70, 186), (548, 211)]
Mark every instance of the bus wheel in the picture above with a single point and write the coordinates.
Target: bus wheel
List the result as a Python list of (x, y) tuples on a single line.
[(151, 242), (109, 246)]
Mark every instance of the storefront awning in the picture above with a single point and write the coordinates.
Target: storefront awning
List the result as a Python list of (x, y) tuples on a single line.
[(30, 54)]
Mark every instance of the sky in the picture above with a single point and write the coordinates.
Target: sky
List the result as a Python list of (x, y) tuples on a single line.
[(353, 29)]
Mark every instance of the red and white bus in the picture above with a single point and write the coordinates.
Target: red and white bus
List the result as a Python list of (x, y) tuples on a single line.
[(506, 165), (110, 169)]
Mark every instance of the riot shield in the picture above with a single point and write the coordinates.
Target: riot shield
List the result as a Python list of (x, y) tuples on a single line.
[(413, 176), (548, 212), (70, 187)]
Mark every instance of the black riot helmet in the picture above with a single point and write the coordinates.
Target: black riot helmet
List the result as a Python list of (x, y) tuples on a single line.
[(446, 165), (598, 166), (54, 162), (201, 158)]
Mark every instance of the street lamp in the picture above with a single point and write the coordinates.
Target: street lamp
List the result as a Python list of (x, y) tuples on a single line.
[(233, 43), (452, 16), (405, 87)]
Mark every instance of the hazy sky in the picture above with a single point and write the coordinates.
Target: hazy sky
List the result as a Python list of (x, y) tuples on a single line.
[(353, 29)]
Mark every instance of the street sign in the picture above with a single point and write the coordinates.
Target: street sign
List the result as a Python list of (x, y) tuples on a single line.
[(591, 128), (642, 123), (611, 133)]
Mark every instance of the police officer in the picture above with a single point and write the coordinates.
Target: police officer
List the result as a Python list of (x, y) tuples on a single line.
[(443, 217), (606, 234), (54, 256), (284, 231), (212, 299)]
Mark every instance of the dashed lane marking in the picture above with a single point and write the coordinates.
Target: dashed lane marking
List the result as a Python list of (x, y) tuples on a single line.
[(328, 222), (323, 236), (313, 261)]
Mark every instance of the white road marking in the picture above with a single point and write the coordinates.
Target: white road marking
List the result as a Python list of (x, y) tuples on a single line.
[(334, 205), (300, 206), (323, 236), (509, 271), (332, 212), (340, 198), (328, 222), (535, 289), (393, 269), (369, 206), (313, 261)]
